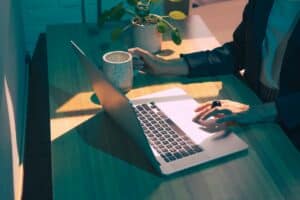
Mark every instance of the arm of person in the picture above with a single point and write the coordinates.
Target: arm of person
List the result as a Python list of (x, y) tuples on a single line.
[(235, 112), (284, 110), (288, 110), (222, 60), (158, 66), (226, 59)]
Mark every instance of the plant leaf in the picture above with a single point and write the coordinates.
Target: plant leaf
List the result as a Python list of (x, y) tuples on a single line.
[(175, 35), (175, 1), (117, 11), (103, 18), (162, 27), (142, 9), (132, 2), (156, 1), (116, 33), (177, 15)]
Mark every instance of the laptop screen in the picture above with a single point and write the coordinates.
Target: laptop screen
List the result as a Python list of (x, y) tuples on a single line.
[(114, 103)]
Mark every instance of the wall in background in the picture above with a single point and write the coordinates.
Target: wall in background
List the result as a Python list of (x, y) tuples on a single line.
[(13, 99), (38, 14)]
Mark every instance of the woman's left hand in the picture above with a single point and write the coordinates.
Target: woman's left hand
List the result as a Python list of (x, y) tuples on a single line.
[(231, 112)]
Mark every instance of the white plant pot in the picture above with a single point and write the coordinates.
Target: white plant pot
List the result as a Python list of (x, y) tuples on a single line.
[(147, 37)]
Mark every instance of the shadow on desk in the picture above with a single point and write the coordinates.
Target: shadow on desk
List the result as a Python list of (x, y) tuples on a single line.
[(98, 154), (102, 133)]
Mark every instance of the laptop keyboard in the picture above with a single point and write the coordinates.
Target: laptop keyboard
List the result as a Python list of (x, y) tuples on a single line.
[(163, 134)]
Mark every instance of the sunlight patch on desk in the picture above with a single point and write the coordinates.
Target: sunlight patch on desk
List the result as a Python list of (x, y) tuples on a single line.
[(206, 89), (72, 113), (80, 101), (79, 108), (188, 46), (60, 126)]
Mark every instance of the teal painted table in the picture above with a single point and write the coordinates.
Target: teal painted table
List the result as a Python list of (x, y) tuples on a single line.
[(92, 158)]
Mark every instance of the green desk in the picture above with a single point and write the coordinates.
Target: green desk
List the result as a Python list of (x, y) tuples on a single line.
[(92, 158)]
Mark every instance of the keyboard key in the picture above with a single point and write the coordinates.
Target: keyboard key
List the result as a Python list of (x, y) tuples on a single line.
[(178, 155), (165, 142), (172, 150), (171, 158), (191, 151), (175, 144), (164, 150), (163, 134), (171, 139), (197, 148), (146, 107), (184, 153), (166, 159)]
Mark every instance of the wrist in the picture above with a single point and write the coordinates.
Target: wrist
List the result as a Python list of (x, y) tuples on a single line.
[(176, 67), (271, 111)]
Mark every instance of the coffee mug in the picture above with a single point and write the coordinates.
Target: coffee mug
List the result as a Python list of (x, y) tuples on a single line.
[(118, 69)]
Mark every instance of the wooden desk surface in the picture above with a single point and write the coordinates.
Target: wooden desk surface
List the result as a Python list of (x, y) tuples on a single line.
[(92, 158)]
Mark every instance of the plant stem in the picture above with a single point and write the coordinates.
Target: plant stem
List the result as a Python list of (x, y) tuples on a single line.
[(149, 2), (130, 12), (165, 21), (126, 27)]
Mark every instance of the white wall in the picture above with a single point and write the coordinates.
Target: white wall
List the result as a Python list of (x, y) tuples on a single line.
[(13, 100)]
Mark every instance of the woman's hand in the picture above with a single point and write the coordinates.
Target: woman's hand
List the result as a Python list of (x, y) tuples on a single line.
[(231, 112), (158, 66), (151, 63)]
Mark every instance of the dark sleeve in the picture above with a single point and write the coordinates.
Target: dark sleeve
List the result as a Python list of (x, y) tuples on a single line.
[(288, 110), (226, 59)]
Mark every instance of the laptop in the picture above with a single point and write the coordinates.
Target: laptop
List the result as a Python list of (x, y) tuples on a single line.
[(161, 124)]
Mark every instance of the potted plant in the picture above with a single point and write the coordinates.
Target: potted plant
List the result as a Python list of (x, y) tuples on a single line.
[(147, 26)]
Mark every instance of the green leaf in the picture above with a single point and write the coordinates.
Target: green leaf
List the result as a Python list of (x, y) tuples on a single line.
[(103, 18), (117, 12), (175, 1), (116, 33), (132, 2), (177, 15), (162, 27), (142, 9), (156, 1), (175, 35)]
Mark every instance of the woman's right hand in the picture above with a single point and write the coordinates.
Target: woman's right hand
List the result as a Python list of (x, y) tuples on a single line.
[(158, 66), (151, 63)]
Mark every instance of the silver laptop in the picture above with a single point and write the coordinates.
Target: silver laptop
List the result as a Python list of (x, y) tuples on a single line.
[(161, 124)]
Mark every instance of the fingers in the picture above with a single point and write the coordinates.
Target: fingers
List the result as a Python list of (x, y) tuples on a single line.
[(214, 112), (138, 64), (139, 52), (227, 119), (203, 106)]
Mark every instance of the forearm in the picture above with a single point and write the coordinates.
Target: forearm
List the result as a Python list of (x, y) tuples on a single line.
[(288, 110), (219, 61), (177, 67), (270, 111)]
